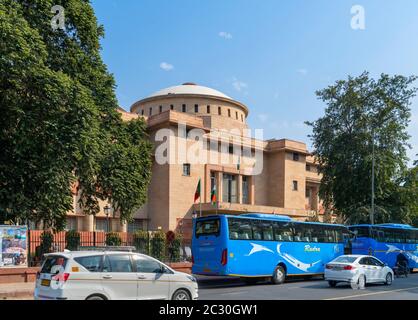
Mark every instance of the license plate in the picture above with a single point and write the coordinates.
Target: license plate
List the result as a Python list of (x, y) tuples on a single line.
[(206, 270), (45, 282)]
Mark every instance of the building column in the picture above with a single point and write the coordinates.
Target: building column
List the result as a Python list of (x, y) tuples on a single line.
[(251, 192), (88, 222), (219, 185)]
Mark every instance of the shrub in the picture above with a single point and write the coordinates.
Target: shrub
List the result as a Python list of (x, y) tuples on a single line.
[(47, 238), (113, 239), (174, 246), (73, 240), (141, 241), (158, 245)]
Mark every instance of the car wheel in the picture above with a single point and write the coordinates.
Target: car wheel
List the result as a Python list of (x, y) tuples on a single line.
[(95, 298), (389, 279), (361, 281), (332, 283), (181, 294), (279, 275)]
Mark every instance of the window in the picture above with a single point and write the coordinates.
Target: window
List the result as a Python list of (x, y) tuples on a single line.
[(375, 262), (207, 109), (295, 186), (303, 233), (196, 108), (308, 193), (361, 232), (231, 149), (229, 113), (240, 229), (171, 107), (308, 167), (245, 187), (135, 225), (146, 265), (267, 230), (183, 108), (150, 112), (283, 231), (161, 109), (219, 111), (207, 227), (295, 156), (230, 188), (92, 264), (242, 118), (364, 261), (186, 169), (53, 261), (236, 115), (142, 112), (101, 225), (71, 223), (117, 263), (345, 259)]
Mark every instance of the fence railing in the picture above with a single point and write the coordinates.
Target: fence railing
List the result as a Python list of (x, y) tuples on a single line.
[(98, 239)]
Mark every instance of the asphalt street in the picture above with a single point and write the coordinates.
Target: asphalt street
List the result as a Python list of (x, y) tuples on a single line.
[(297, 289)]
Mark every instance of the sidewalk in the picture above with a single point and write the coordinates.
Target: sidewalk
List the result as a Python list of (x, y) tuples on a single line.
[(16, 290)]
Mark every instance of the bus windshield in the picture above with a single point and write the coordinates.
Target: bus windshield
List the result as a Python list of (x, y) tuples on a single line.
[(207, 227)]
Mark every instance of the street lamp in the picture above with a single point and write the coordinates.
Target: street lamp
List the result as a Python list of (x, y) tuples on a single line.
[(107, 213)]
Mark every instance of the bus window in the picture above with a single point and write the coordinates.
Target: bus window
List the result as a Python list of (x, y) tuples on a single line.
[(339, 235), (207, 228), (282, 231), (267, 229), (257, 230), (361, 232), (239, 229), (302, 233), (330, 236)]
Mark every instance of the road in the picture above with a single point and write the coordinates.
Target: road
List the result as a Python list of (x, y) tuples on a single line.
[(233, 289)]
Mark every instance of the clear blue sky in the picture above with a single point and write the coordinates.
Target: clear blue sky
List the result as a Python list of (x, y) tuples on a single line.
[(271, 55)]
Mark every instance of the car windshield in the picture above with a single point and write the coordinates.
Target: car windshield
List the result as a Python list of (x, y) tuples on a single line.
[(345, 259), (207, 227)]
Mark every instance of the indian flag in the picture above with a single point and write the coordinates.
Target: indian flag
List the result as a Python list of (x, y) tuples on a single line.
[(197, 193), (213, 199)]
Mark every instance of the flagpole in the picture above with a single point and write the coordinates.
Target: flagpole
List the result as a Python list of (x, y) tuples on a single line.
[(200, 204)]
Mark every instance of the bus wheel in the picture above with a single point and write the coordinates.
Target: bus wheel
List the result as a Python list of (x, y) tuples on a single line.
[(279, 275)]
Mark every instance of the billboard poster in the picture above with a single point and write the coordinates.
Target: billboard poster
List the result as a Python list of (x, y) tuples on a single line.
[(13, 246)]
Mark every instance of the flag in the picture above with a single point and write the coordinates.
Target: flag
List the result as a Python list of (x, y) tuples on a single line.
[(197, 193), (213, 196)]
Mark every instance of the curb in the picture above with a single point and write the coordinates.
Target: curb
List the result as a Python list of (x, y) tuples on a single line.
[(16, 294)]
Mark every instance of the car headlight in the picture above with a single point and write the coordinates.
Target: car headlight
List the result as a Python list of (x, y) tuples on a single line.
[(191, 278)]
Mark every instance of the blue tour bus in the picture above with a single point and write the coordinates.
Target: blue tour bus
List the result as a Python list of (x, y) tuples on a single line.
[(386, 242), (252, 246)]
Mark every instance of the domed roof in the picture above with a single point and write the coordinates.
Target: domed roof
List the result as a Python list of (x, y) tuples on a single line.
[(189, 88)]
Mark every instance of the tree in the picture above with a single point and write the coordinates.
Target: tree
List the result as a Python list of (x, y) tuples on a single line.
[(362, 114), (59, 119)]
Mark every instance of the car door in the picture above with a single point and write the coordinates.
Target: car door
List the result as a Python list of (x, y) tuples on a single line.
[(153, 278), (366, 266), (119, 280), (378, 269)]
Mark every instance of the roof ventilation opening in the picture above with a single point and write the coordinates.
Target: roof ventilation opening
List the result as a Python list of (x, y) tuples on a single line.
[(189, 84)]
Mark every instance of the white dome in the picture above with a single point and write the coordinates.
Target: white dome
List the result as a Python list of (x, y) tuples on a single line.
[(189, 88)]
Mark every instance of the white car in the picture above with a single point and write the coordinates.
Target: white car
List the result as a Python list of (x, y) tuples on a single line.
[(358, 269), (101, 275)]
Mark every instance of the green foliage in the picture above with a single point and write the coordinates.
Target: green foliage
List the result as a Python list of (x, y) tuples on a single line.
[(142, 241), (47, 239), (158, 245), (72, 238), (362, 112), (173, 248), (113, 239), (59, 118)]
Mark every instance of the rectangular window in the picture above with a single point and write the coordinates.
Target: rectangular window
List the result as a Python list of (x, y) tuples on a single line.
[(71, 223), (207, 227), (245, 190), (295, 186), (142, 112), (231, 149), (135, 225), (240, 229), (183, 108), (92, 263), (117, 263), (308, 167), (229, 188), (229, 113), (101, 225), (186, 169), (295, 156), (219, 111), (207, 109), (161, 109), (283, 231), (236, 115), (308, 192), (242, 118), (171, 107), (52, 261), (196, 108), (150, 112)]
